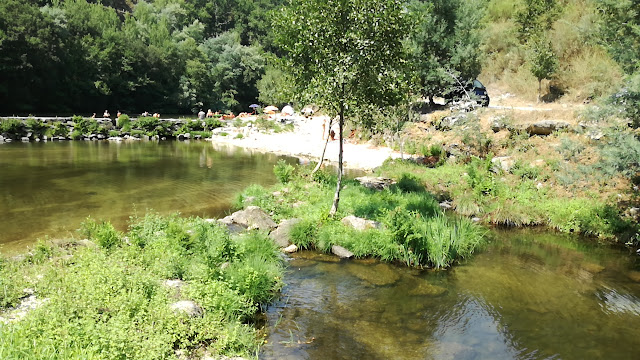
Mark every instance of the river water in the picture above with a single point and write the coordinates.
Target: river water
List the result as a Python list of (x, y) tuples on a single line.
[(528, 295), (48, 189)]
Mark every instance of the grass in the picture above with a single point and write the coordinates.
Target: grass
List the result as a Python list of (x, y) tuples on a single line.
[(309, 200), (108, 301), (523, 196)]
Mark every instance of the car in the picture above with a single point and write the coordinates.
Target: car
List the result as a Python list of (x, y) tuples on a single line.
[(473, 90)]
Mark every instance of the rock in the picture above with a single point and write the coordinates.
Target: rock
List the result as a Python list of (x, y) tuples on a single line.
[(546, 127), (290, 249), (376, 183), (445, 205), (499, 123), (175, 284), (281, 235), (423, 288), (378, 275), (447, 123), (341, 252), (503, 162), (188, 307), (592, 268), (24, 139), (360, 223), (634, 276), (252, 218)]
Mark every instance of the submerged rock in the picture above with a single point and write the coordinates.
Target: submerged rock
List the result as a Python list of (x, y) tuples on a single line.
[(378, 275), (423, 288)]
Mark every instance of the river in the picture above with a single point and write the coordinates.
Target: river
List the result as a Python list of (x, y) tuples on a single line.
[(49, 189), (529, 294)]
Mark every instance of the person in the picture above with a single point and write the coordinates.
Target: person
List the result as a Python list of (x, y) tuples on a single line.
[(209, 113), (145, 114), (93, 116), (118, 114), (156, 115), (201, 114), (106, 114)]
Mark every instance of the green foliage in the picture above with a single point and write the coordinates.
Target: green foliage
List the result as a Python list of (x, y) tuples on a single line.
[(543, 61), (621, 156), (113, 304), (212, 123), (104, 234), (304, 234), (123, 121), (283, 171), (37, 127), (13, 128), (535, 17), (628, 100), (445, 43), (620, 28), (60, 129)]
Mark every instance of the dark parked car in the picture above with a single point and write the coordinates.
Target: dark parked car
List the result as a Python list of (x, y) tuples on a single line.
[(473, 90)]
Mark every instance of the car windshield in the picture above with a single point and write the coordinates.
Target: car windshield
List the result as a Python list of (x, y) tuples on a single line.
[(477, 84)]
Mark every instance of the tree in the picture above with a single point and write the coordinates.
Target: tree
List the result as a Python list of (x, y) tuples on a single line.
[(543, 61), (342, 53), (445, 42), (621, 31)]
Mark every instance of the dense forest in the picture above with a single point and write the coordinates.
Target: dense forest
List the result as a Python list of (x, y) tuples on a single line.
[(177, 56)]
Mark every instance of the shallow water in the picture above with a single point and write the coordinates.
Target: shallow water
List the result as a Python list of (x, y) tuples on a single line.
[(48, 189), (529, 295)]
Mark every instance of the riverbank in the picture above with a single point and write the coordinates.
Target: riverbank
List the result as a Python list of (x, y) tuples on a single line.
[(305, 141), (169, 288)]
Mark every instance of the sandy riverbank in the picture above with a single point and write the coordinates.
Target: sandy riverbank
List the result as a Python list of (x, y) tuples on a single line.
[(306, 142)]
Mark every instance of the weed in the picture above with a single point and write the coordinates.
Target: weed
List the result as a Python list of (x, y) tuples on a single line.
[(283, 171)]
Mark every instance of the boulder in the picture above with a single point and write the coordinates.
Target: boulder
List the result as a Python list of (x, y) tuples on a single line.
[(341, 252), (188, 307), (280, 235), (546, 127), (252, 217), (360, 223), (290, 249), (376, 183), (447, 123), (503, 162), (423, 288)]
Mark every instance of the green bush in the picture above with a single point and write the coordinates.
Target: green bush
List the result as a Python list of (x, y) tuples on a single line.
[(60, 129), (13, 128), (212, 123), (123, 121), (37, 127), (104, 234)]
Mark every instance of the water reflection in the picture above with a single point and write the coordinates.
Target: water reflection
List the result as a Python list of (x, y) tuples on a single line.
[(529, 295), (48, 189)]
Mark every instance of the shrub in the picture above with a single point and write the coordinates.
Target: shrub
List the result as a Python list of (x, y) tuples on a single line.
[(123, 121), (212, 123), (13, 128), (60, 129), (104, 234), (239, 136), (37, 127), (283, 171), (304, 234)]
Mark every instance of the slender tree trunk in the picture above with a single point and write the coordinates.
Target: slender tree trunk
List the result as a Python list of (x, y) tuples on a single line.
[(336, 197), (539, 89), (324, 150)]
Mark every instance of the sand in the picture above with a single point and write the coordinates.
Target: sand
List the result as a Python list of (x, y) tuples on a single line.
[(306, 143)]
